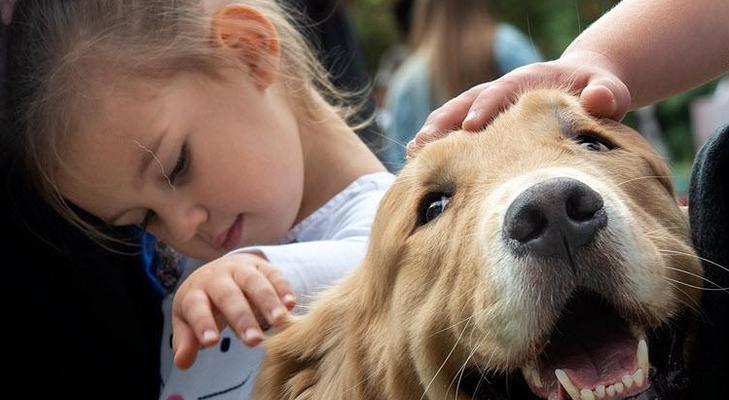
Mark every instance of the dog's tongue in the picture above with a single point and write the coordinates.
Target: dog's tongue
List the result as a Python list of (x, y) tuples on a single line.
[(592, 351)]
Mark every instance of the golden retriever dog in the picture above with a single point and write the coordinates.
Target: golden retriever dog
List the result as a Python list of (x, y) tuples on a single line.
[(543, 258)]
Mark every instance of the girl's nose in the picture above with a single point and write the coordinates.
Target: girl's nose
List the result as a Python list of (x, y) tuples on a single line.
[(182, 221)]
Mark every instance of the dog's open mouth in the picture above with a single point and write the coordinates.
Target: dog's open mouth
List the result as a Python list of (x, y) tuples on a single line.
[(592, 353)]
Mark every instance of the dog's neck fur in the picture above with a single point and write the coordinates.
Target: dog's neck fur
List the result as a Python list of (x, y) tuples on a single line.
[(359, 327)]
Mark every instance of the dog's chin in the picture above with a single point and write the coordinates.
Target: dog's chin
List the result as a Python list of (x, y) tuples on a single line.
[(592, 348)]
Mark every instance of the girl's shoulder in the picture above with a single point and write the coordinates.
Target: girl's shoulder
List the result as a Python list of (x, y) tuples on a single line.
[(352, 208)]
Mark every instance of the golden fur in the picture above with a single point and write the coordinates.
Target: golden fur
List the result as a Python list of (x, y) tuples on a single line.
[(431, 300)]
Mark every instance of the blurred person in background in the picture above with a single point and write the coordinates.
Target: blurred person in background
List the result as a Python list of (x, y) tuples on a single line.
[(455, 45), (392, 59), (328, 26)]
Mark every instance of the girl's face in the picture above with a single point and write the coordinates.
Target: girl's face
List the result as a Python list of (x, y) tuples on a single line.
[(211, 165)]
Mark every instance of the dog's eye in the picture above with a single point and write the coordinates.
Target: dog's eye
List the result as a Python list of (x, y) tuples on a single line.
[(432, 206), (593, 143)]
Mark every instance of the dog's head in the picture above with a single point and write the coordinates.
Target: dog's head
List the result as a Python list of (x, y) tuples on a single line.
[(548, 249)]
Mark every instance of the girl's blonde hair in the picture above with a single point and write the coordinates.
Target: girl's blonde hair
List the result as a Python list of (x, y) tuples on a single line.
[(57, 46), (456, 39)]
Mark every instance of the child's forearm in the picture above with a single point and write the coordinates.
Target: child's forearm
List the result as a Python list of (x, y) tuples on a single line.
[(660, 48)]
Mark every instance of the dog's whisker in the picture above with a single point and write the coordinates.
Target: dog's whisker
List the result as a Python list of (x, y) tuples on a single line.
[(706, 260), (696, 287), (462, 370), (466, 321), (641, 178), (694, 306), (442, 365), (663, 230), (716, 288)]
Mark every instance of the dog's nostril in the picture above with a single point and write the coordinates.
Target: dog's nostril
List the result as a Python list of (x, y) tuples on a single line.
[(582, 203), (529, 224), (555, 217)]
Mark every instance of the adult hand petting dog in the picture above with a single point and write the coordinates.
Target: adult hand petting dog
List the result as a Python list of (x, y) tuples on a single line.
[(585, 73), (607, 67)]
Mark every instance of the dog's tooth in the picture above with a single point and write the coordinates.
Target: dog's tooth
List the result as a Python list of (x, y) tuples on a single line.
[(567, 384), (610, 390), (619, 388), (642, 354), (638, 377), (600, 391), (627, 381), (586, 394)]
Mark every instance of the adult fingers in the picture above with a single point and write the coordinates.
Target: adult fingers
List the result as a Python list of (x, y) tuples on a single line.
[(606, 97), (491, 101), (446, 118)]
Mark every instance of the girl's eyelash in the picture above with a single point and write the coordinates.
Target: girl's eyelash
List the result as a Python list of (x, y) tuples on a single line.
[(181, 165), (180, 168)]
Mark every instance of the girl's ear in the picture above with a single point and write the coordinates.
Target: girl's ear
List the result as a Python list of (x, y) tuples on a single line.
[(255, 40)]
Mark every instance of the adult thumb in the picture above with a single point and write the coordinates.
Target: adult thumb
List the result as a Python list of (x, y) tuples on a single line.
[(606, 98)]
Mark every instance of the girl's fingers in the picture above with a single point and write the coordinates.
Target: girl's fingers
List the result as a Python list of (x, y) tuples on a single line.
[(261, 294), (195, 308), (230, 301), (279, 283), (184, 343)]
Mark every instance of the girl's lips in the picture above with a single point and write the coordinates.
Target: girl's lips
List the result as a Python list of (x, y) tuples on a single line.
[(230, 238)]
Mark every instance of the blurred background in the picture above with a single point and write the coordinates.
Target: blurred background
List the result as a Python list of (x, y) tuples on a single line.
[(385, 31)]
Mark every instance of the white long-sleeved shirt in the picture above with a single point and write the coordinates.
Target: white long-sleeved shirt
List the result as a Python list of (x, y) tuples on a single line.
[(316, 252)]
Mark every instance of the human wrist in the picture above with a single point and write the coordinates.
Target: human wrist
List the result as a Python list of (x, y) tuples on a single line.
[(595, 59)]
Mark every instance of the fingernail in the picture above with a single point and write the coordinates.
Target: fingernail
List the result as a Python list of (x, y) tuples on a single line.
[(289, 299), (613, 106), (209, 336), (252, 335), (277, 313), (472, 115)]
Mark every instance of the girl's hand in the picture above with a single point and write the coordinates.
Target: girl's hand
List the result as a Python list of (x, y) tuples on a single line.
[(242, 289), (601, 92)]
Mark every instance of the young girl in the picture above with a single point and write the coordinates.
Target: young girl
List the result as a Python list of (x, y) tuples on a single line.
[(209, 124)]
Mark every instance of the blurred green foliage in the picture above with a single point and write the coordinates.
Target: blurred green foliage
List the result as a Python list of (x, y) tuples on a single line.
[(551, 25)]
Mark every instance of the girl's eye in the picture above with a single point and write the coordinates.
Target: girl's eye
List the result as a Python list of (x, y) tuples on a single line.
[(181, 165), (593, 143), (432, 206)]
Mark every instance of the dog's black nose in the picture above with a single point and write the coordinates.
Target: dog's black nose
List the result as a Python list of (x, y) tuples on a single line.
[(555, 217)]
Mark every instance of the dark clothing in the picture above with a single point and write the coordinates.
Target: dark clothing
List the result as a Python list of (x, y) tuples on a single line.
[(709, 216), (84, 323)]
